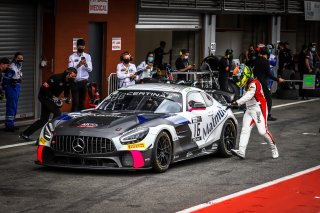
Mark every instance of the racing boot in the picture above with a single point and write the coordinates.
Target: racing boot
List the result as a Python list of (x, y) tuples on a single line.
[(274, 151), (238, 153)]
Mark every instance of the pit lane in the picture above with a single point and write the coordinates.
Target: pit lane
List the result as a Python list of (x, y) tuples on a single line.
[(26, 187)]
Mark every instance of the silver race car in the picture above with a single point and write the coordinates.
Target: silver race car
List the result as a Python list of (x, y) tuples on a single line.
[(140, 127)]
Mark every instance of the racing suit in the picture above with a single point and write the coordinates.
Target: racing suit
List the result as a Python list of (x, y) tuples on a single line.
[(11, 85), (256, 113)]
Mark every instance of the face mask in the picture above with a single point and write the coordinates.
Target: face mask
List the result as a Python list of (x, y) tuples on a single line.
[(150, 59), (313, 49), (186, 57), (19, 61), (126, 60), (80, 50)]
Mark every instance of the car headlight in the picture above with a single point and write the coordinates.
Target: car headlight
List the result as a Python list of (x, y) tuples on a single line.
[(134, 136), (47, 132)]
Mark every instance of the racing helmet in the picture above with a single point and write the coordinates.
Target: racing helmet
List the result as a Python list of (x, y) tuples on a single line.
[(245, 75)]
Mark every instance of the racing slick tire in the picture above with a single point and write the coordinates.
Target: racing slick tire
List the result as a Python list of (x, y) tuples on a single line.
[(162, 153), (228, 139)]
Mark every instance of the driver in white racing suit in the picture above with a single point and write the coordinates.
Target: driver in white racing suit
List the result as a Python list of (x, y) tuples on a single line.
[(256, 113)]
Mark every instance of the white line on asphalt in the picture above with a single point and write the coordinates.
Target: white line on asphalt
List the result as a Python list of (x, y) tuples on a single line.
[(17, 144), (288, 104), (237, 194)]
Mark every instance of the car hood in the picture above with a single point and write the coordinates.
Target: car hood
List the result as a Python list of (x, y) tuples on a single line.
[(97, 122)]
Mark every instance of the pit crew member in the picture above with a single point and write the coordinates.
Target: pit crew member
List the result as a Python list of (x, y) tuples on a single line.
[(48, 97)]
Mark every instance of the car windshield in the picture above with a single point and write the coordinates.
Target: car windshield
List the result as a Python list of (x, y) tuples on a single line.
[(151, 101)]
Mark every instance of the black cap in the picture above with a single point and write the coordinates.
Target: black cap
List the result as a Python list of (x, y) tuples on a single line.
[(4, 61)]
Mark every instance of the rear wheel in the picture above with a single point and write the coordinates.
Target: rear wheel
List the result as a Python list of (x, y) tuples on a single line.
[(228, 139), (162, 153)]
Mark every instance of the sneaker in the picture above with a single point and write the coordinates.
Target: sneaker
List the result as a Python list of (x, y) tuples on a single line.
[(238, 153), (25, 137), (270, 118), (275, 153)]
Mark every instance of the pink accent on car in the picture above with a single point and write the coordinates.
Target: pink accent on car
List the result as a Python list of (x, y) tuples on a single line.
[(138, 160)]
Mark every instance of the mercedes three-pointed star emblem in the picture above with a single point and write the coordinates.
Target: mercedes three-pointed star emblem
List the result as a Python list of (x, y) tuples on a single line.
[(78, 145)]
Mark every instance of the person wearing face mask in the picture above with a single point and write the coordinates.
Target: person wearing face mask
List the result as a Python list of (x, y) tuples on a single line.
[(11, 85), (182, 63), (82, 62), (126, 71), (147, 69), (273, 63), (224, 69), (261, 70), (48, 97), (313, 56)]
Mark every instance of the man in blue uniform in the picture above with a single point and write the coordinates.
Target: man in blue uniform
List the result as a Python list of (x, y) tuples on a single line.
[(11, 85)]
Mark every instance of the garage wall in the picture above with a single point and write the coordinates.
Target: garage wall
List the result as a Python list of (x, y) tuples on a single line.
[(72, 21), (227, 40), (148, 41)]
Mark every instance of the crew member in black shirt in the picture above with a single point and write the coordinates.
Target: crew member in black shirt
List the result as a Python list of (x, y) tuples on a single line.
[(182, 64), (224, 69), (261, 70), (48, 96)]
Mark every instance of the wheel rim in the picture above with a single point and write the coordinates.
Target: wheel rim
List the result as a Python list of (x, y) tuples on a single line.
[(229, 139), (164, 151)]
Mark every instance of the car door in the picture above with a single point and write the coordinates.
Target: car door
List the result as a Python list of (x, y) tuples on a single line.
[(198, 114), (211, 121)]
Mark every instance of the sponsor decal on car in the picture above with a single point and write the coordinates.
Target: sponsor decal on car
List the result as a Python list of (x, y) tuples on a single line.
[(88, 125), (42, 141), (136, 146), (215, 120)]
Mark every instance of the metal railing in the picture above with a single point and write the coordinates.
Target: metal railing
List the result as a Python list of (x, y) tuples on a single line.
[(113, 83)]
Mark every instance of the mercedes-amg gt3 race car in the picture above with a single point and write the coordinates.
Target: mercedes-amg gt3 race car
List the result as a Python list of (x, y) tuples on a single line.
[(140, 127)]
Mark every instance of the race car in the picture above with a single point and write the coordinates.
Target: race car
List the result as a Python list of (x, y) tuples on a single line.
[(144, 126)]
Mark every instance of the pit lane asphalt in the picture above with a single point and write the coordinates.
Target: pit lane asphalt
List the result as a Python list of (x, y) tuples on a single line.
[(26, 187)]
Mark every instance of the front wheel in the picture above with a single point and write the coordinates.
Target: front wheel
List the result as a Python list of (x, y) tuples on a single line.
[(228, 139), (162, 152)]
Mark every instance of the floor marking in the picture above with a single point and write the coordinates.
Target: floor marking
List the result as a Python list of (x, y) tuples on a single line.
[(18, 144), (309, 133), (246, 191)]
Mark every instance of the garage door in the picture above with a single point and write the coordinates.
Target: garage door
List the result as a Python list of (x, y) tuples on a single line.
[(171, 21), (18, 33)]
